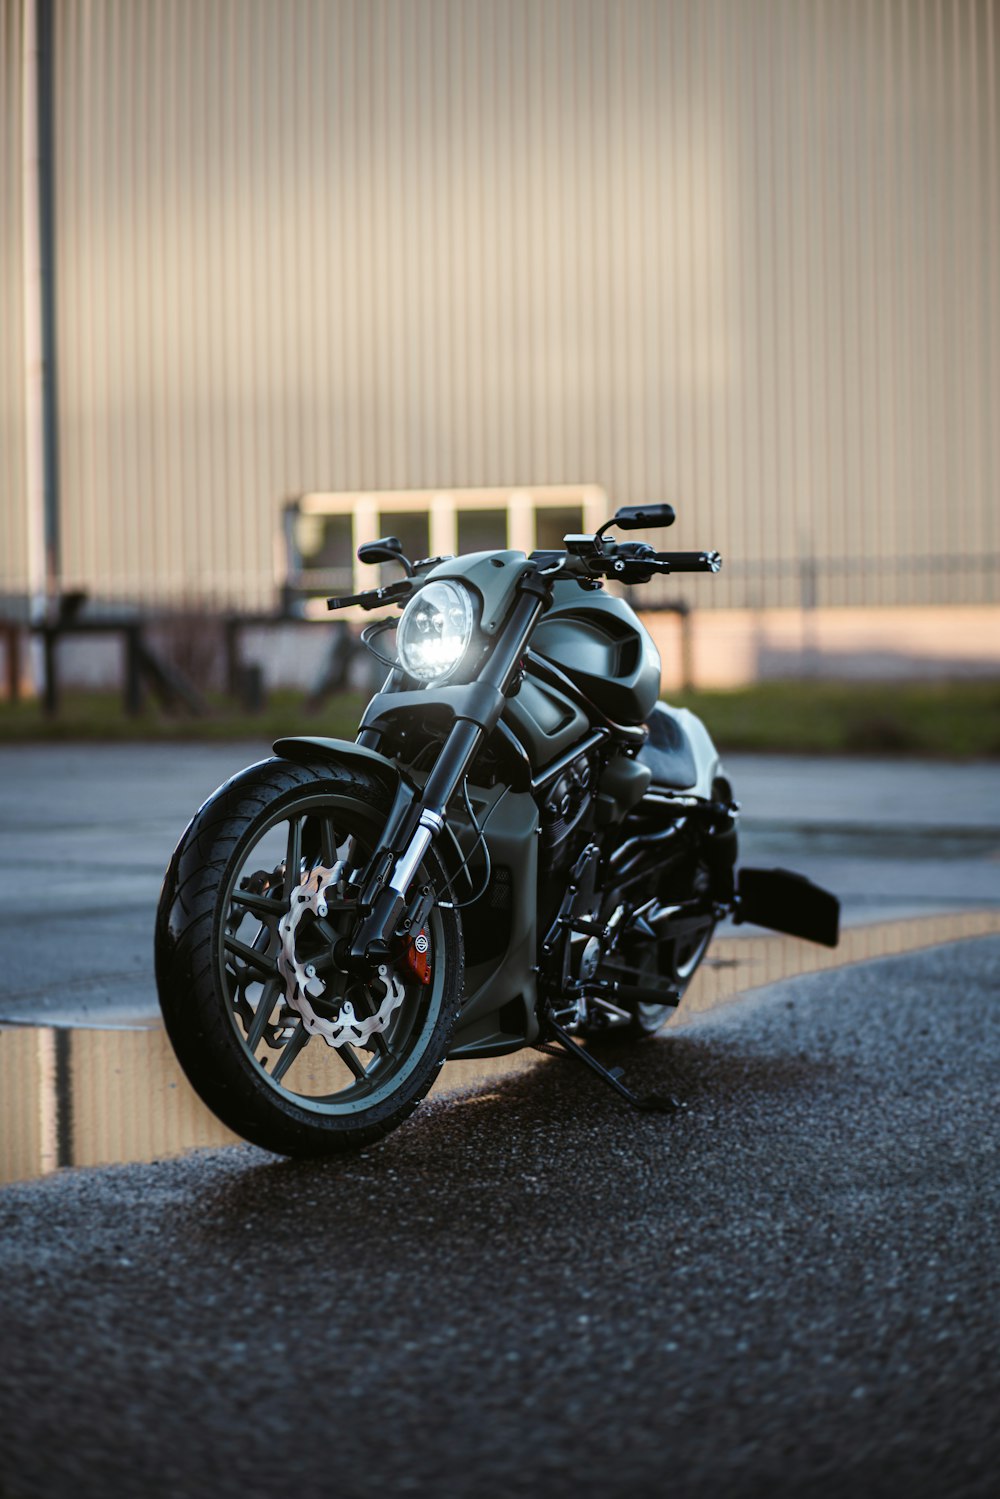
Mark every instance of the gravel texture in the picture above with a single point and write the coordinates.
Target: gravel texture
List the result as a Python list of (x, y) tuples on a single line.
[(792, 1287)]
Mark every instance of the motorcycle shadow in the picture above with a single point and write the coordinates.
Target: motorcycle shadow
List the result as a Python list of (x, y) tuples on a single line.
[(548, 1131)]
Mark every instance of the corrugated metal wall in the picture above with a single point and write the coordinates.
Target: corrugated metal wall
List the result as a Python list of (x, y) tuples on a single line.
[(13, 527), (745, 256)]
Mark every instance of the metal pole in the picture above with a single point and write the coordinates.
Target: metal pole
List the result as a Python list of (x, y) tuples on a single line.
[(41, 486)]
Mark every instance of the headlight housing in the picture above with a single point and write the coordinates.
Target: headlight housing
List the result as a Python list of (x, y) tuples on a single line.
[(435, 631)]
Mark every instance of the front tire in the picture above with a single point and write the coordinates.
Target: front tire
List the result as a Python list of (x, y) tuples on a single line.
[(225, 919)]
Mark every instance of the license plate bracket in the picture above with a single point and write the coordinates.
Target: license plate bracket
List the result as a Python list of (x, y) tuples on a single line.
[(784, 901)]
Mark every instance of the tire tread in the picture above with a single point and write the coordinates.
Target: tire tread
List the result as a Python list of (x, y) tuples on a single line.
[(195, 1015)]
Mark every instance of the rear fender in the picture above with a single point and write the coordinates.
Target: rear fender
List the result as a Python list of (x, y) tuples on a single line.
[(706, 756)]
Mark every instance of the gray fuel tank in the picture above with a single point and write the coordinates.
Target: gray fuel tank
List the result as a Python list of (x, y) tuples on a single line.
[(599, 642)]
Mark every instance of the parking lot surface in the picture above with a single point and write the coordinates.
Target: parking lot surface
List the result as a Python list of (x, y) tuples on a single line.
[(86, 832), (791, 1287)]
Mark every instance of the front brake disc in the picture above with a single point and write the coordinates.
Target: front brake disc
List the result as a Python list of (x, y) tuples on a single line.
[(302, 982)]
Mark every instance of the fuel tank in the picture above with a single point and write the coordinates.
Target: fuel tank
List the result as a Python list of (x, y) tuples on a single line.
[(599, 642)]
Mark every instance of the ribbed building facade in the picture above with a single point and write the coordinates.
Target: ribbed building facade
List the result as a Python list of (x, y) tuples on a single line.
[(743, 255)]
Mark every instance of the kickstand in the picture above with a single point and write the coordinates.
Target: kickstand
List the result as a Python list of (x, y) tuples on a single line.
[(650, 1103)]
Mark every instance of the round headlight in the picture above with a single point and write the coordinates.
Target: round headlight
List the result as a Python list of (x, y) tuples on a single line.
[(435, 631)]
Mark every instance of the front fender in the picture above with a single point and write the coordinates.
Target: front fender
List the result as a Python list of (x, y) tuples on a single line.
[(307, 750), (402, 786)]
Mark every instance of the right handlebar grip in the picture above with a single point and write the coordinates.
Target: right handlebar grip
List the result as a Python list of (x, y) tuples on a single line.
[(691, 562)]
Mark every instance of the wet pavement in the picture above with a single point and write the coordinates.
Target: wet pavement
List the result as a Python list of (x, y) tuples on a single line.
[(86, 1074), (95, 1095), (86, 832), (791, 1287)]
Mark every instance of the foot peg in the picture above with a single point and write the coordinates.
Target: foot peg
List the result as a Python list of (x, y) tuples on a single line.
[(649, 1103)]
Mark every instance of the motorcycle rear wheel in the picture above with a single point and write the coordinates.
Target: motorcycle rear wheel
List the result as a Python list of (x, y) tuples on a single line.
[(243, 1045), (675, 961)]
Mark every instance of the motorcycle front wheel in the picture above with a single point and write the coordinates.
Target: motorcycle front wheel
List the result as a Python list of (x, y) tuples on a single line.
[(262, 883)]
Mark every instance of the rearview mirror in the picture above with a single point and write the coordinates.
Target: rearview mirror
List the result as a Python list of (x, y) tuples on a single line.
[(643, 517), (386, 549)]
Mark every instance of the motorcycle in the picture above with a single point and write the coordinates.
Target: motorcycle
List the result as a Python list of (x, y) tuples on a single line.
[(522, 847)]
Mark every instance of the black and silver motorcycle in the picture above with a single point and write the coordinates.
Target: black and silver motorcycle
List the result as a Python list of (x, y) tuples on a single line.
[(522, 847)]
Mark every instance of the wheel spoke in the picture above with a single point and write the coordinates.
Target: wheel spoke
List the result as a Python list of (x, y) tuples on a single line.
[(349, 1055), (262, 1014), (365, 1005), (260, 905), (251, 957), (328, 843), (293, 856), (329, 934), (290, 1051)]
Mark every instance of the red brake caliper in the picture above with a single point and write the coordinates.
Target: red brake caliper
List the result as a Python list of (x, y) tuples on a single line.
[(418, 957)]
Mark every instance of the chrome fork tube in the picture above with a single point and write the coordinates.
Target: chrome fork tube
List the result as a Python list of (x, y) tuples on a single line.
[(409, 862)]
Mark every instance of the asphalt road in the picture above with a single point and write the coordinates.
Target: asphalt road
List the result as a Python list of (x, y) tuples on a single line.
[(86, 832), (791, 1288)]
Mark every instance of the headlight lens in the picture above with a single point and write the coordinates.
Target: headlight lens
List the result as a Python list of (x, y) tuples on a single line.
[(435, 631)]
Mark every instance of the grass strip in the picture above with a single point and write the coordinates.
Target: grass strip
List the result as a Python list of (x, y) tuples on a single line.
[(944, 720)]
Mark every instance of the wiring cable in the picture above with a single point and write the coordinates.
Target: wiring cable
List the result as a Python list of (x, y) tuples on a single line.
[(480, 828), (371, 633)]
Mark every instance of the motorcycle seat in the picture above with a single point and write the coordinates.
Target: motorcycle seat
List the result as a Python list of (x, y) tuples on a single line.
[(668, 751)]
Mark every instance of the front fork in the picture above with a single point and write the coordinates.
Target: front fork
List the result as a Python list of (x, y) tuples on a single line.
[(416, 820)]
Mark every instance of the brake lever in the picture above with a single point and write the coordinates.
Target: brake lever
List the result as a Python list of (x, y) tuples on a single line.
[(373, 598)]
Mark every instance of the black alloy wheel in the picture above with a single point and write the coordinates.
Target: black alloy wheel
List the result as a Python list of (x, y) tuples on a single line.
[(287, 1049)]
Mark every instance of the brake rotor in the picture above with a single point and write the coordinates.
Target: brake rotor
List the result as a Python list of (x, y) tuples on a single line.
[(303, 984)]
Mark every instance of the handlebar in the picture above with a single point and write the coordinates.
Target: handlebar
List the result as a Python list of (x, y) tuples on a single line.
[(586, 559), (633, 561)]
